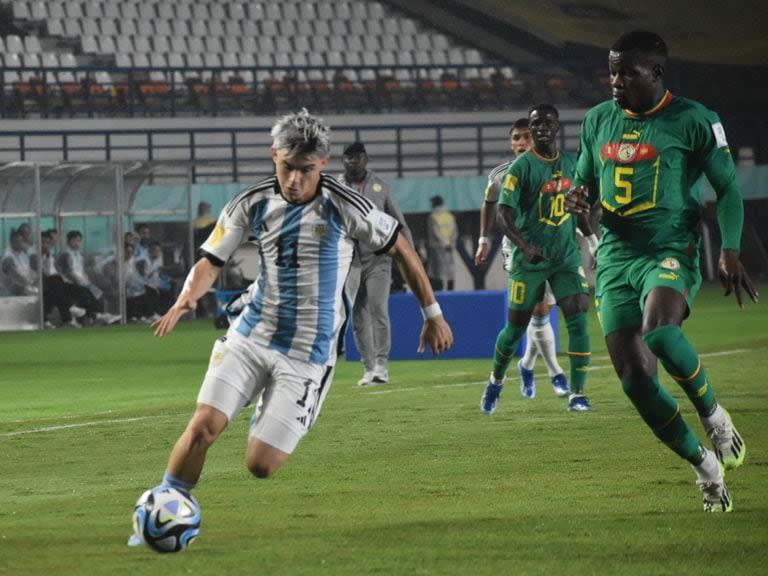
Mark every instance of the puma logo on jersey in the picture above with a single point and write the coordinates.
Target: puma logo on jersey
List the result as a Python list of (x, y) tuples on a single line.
[(634, 135)]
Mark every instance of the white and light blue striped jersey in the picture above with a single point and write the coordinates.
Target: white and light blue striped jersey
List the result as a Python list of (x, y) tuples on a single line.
[(297, 304), (495, 180)]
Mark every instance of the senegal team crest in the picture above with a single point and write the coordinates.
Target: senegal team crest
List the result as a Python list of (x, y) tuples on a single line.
[(670, 264), (626, 152), (320, 229)]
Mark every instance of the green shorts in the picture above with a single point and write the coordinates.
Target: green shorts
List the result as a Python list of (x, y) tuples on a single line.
[(623, 283), (526, 287)]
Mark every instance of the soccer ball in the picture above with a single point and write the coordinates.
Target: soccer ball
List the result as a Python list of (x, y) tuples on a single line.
[(166, 519)]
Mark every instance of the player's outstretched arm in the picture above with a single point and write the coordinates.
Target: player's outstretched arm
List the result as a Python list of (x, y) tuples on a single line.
[(199, 280), (734, 277), (436, 333)]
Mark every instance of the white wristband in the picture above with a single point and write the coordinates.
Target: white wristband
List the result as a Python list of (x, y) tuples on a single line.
[(431, 311), (483, 240)]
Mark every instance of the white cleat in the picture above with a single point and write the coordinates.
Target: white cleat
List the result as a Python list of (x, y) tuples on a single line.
[(367, 379), (711, 482), (727, 442)]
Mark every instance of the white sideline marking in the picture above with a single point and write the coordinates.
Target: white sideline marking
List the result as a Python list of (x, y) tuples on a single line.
[(725, 352), (368, 392), (64, 417), (598, 367), (85, 425)]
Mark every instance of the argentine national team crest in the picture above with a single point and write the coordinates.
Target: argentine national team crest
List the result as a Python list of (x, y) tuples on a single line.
[(670, 264), (319, 229)]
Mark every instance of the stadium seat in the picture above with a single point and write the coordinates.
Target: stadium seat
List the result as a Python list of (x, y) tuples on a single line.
[(107, 26), (55, 10), (339, 28), (160, 44), (183, 12), (249, 46), (232, 30), (217, 11), (128, 27), (107, 45), (179, 44), (216, 27), (32, 44), (162, 27), (142, 44), (21, 11), (166, 12), (111, 10), (14, 44), (212, 45), (255, 11), (147, 12), (318, 45), (179, 28), (200, 12), (199, 28), (337, 44)]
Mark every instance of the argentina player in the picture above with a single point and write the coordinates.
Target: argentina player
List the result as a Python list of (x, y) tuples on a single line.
[(282, 347)]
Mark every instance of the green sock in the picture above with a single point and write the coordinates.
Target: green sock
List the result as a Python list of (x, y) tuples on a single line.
[(506, 342), (681, 361), (579, 351), (661, 413)]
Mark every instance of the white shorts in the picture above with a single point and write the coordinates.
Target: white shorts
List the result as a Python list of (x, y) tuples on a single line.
[(289, 393)]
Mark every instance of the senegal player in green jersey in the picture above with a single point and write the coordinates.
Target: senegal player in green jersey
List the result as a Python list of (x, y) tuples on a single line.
[(532, 215), (640, 157)]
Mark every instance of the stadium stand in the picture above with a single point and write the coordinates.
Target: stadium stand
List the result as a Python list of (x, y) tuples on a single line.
[(148, 57)]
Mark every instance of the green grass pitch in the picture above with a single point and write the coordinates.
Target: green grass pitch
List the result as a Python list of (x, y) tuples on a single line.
[(406, 479)]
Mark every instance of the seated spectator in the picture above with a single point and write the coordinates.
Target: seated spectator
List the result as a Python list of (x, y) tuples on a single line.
[(144, 239), (158, 283), (85, 293), (26, 234), (18, 278), (55, 292), (137, 307)]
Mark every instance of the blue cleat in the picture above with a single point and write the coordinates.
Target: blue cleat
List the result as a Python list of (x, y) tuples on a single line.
[(578, 403), (527, 383), (560, 385), (491, 396)]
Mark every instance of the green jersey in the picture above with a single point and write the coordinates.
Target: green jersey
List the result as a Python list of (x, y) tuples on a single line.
[(535, 188), (645, 168)]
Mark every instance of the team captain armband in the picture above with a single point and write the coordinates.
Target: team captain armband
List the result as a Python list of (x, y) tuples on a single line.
[(431, 311), (719, 132)]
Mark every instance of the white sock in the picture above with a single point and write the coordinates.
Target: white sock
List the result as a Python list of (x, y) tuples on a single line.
[(531, 350), (717, 418), (709, 469), (544, 338)]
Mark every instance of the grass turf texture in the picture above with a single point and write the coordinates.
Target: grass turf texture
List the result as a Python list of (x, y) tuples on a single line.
[(407, 479)]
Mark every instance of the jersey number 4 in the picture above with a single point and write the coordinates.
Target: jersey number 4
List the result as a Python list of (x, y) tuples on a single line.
[(287, 254)]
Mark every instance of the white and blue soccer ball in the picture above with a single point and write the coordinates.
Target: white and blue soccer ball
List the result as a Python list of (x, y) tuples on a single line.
[(166, 519)]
